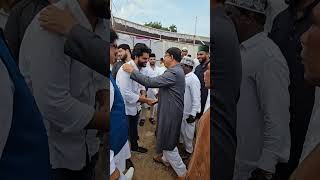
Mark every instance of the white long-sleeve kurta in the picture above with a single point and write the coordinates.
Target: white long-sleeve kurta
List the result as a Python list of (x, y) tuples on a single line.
[(263, 108), (130, 90), (64, 90), (149, 71), (192, 101), (313, 133), (192, 106)]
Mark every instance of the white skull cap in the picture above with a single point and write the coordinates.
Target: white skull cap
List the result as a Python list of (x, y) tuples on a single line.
[(258, 6)]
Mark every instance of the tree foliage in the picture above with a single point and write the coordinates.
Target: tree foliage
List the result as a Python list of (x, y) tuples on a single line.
[(158, 25)]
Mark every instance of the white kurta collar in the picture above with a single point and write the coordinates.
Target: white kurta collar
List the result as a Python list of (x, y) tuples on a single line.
[(256, 39), (134, 65), (189, 74)]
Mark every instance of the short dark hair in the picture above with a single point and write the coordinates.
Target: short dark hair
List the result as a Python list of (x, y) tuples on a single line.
[(152, 55), (175, 52), (139, 49), (113, 36), (125, 47)]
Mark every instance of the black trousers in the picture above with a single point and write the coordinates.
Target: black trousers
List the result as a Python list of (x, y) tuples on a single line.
[(86, 173), (133, 130)]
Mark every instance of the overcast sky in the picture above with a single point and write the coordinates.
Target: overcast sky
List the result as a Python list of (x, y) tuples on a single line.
[(182, 13)]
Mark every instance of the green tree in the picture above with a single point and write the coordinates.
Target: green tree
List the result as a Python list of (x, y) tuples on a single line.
[(158, 25), (173, 28)]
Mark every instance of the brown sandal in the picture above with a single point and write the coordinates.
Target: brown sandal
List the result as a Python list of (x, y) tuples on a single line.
[(152, 121), (158, 159), (142, 121)]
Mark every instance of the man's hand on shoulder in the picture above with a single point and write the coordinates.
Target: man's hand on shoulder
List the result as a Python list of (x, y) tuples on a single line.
[(57, 20)]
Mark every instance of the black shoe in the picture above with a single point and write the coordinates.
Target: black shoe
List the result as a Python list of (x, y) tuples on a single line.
[(142, 121), (140, 150), (185, 155), (129, 164)]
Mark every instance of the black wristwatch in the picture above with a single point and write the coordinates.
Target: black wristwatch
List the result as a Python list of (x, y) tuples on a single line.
[(260, 174), (191, 119)]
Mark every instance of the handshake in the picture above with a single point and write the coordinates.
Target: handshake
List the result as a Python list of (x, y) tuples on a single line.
[(152, 102), (149, 101)]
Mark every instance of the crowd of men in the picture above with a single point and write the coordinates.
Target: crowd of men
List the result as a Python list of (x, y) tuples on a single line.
[(54, 63), (171, 91)]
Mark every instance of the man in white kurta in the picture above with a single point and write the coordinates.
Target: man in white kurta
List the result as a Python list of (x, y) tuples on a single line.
[(263, 136), (65, 92), (131, 92), (192, 104), (263, 108), (152, 71)]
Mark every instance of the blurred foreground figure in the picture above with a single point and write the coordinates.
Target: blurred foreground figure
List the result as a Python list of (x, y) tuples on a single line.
[(24, 148), (310, 166), (19, 19), (66, 91), (226, 76), (286, 31)]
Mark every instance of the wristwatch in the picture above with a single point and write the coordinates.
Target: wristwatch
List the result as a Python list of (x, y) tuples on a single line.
[(261, 174)]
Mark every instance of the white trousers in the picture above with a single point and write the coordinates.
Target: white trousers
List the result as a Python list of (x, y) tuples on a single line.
[(173, 157), (144, 110), (122, 156), (187, 135)]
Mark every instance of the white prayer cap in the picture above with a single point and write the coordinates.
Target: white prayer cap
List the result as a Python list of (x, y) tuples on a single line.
[(258, 6), (187, 61)]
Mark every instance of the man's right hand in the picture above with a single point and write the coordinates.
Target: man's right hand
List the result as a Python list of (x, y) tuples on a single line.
[(152, 102), (57, 20), (115, 175)]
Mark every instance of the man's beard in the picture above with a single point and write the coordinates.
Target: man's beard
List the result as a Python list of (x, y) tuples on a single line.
[(100, 8), (124, 57), (201, 61), (142, 64)]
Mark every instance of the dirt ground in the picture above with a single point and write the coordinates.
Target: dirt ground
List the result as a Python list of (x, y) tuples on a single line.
[(145, 167)]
